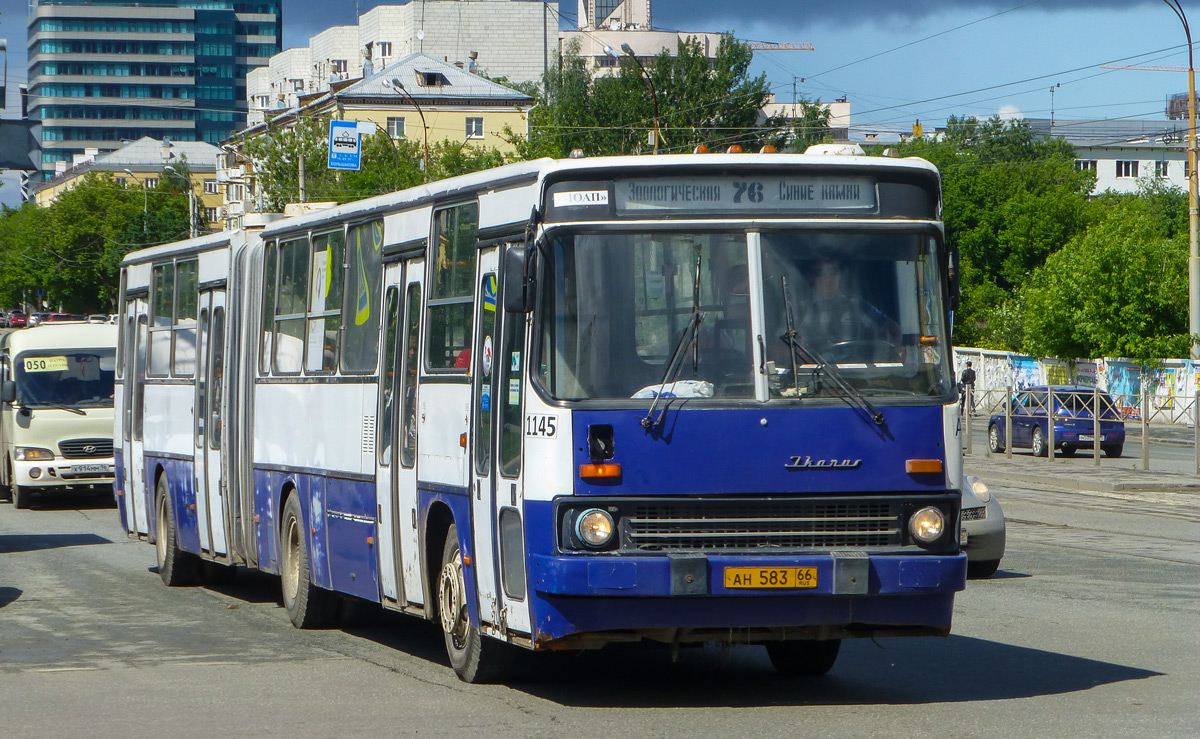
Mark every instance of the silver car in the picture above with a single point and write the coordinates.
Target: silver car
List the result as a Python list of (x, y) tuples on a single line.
[(981, 534)]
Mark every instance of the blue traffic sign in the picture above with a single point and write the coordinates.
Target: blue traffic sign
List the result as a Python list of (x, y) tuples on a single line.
[(345, 151)]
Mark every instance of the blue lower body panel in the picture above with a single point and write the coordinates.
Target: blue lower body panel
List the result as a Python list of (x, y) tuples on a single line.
[(590, 594)]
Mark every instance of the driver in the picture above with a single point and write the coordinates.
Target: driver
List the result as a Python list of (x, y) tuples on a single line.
[(832, 317)]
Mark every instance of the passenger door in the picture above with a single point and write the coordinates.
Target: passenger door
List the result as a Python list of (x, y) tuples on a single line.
[(497, 487), (133, 416), (210, 395), (395, 461)]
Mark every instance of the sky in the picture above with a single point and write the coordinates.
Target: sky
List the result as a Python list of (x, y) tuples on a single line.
[(895, 62)]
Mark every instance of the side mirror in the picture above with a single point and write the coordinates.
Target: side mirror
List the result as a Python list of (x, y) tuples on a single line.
[(518, 289), (8, 391)]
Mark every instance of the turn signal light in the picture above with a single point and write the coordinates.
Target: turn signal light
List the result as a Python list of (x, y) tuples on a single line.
[(768, 149), (734, 149), (700, 149), (599, 471), (923, 466)]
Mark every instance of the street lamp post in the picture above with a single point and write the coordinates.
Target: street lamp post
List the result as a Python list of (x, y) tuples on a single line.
[(1193, 208), (191, 201), (145, 200), (1193, 227), (645, 80), (395, 84)]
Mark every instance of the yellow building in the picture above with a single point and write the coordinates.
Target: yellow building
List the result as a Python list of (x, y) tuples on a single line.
[(143, 163), (420, 98)]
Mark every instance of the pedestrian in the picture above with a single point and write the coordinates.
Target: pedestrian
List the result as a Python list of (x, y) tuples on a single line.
[(966, 382)]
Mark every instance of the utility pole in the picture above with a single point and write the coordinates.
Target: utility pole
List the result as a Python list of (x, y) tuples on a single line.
[(302, 191)]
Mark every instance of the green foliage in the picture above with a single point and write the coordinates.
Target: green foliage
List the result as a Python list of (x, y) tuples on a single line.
[(1011, 200), (72, 249), (1120, 289), (698, 101)]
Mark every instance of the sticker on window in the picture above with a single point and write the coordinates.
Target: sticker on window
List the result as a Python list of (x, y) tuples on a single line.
[(45, 364)]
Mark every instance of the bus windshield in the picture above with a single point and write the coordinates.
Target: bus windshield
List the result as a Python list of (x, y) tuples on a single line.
[(618, 308), (74, 378)]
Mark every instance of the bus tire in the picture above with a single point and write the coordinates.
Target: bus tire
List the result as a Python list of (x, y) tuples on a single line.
[(6, 490), (175, 566), (475, 658), (21, 496), (308, 606), (807, 657)]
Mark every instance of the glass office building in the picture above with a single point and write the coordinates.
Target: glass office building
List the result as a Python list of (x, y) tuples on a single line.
[(106, 71)]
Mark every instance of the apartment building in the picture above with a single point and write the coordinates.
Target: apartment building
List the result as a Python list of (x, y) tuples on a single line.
[(104, 72)]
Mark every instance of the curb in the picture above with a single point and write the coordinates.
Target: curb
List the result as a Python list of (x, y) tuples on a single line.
[(1083, 482)]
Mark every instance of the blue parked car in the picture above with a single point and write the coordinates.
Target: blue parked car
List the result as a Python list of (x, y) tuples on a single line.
[(1073, 423)]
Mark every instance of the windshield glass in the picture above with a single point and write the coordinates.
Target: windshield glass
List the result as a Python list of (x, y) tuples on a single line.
[(868, 303), (73, 377), (616, 306)]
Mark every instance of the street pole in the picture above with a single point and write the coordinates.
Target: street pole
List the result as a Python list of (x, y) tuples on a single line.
[(398, 86), (649, 86), (1193, 224)]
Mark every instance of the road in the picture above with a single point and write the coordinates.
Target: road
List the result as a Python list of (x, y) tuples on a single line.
[(1089, 629)]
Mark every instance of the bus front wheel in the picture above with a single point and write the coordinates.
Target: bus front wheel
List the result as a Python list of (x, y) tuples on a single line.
[(475, 659), (308, 606), (175, 566), (21, 496), (807, 657)]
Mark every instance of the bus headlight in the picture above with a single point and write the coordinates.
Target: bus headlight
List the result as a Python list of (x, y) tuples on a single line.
[(33, 454), (926, 525), (594, 527)]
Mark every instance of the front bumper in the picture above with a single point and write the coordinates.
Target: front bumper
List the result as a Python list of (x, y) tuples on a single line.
[(64, 474)]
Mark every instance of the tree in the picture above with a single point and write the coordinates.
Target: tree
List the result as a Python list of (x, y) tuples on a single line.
[(1010, 201), (1119, 289)]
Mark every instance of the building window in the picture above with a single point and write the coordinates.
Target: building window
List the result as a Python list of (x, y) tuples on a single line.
[(297, 85), (385, 48), (1085, 165), (151, 182), (1160, 169), (210, 187), (395, 127), (1127, 169), (474, 128), (210, 215), (263, 100), (338, 66), (606, 61)]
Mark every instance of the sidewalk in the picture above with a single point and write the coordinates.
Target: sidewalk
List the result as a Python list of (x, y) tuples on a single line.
[(1076, 475)]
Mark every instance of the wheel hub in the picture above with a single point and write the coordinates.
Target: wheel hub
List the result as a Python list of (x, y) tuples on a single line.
[(451, 603)]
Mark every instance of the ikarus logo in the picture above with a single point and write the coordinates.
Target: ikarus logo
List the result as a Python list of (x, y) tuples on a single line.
[(808, 463)]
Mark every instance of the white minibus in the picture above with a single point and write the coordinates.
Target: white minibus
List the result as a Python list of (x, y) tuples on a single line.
[(56, 410)]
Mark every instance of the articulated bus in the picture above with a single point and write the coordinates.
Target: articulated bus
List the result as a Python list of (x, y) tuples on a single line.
[(565, 403)]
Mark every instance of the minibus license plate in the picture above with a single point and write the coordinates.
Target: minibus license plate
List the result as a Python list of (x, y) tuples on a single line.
[(82, 468), (770, 577)]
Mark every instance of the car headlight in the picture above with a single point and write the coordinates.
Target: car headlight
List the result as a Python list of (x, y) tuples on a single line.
[(927, 525), (33, 454), (594, 527), (980, 488)]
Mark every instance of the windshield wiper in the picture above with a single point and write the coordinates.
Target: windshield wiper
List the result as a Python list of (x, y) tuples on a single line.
[(799, 350), (57, 406), (687, 340)]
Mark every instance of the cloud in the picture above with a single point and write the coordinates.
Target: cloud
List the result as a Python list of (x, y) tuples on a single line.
[(1010, 113)]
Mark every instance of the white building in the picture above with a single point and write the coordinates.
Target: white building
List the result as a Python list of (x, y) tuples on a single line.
[(499, 38), (1123, 153)]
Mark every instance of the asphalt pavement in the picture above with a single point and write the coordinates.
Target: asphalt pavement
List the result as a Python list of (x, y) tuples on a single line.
[(1081, 474)]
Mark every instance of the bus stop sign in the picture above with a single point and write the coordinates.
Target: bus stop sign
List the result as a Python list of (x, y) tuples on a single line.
[(345, 151)]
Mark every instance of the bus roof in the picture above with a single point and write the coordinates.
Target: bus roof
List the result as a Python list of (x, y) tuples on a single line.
[(60, 336), (511, 175)]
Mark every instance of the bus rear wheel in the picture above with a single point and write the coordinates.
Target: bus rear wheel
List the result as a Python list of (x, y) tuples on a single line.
[(175, 566), (308, 606), (804, 658), (475, 659)]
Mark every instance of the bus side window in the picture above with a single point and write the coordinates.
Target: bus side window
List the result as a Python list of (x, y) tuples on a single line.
[(408, 391)]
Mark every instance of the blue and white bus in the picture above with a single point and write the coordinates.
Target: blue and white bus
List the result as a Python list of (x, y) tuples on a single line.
[(565, 403)]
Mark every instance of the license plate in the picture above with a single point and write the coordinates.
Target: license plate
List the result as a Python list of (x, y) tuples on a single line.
[(1089, 437), (962, 536), (770, 577), (83, 468)]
